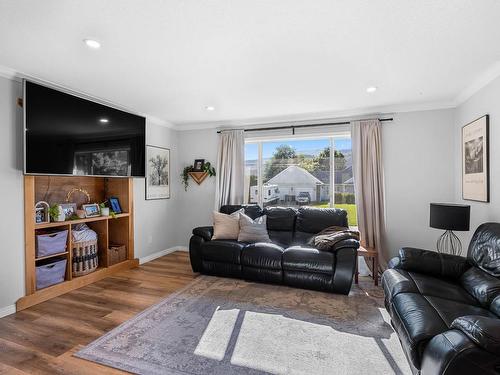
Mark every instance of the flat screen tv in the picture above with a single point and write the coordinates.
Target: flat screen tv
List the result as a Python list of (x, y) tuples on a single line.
[(68, 135)]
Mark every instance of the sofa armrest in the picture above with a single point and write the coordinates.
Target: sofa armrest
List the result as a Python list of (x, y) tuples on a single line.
[(430, 263), (204, 232), (351, 242), (483, 331)]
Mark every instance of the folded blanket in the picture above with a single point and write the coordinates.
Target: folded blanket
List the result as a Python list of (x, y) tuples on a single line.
[(329, 237)]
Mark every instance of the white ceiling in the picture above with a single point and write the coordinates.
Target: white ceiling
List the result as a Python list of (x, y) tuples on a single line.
[(256, 59)]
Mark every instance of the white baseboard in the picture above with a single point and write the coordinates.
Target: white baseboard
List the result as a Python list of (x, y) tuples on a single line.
[(7, 310), (159, 254)]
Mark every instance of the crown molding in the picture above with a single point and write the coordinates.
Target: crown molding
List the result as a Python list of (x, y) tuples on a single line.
[(14, 75), (481, 81), (11, 74), (318, 117)]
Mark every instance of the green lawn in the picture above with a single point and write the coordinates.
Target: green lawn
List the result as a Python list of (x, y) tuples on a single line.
[(350, 208)]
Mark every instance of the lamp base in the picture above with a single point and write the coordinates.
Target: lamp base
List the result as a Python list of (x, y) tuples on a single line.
[(449, 243)]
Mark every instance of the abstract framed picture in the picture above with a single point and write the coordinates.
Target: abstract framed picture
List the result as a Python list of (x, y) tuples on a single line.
[(157, 173), (476, 160)]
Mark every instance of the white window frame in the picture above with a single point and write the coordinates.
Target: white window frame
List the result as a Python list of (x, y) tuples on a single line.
[(263, 139)]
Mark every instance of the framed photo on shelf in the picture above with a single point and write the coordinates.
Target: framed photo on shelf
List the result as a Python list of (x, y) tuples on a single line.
[(114, 203), (91, 210), (475, 160), (69, 209), (198, 165), (157, 173)]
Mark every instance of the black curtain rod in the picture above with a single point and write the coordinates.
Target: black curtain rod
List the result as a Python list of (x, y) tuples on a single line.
[(293, 127)]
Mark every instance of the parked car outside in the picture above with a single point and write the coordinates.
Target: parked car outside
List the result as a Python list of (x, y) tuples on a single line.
[(303, 198)]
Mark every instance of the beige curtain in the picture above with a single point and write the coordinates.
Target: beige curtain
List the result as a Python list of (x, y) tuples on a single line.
[(230, 168), (369, 184)]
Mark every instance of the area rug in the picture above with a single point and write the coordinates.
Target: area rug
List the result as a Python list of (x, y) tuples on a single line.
[(227, 326)]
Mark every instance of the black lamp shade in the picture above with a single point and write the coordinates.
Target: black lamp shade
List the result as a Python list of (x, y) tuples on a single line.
[(450, 216)]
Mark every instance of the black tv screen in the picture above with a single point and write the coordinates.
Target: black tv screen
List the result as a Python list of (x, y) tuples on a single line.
[(68, 135)]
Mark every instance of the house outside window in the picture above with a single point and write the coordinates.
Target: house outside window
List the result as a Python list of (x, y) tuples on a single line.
[(300, 172)]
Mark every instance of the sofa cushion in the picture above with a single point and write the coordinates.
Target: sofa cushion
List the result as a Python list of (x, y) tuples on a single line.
[(397, 281), (484, 248), (251, 210), (314, 220), (223, 251), (280, 218), (416, 322), (298, 258), (484, 287), (450, 310), (262, 255), (280, 224)]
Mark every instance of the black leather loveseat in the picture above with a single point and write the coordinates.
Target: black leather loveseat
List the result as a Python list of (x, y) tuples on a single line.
[(445, 308), (287, 260)]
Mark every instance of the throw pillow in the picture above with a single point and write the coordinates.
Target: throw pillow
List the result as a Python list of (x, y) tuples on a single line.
[(227, 227), (253, 230)]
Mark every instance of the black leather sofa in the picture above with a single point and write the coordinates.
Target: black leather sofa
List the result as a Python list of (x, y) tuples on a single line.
[(287, 260), (445, 308)]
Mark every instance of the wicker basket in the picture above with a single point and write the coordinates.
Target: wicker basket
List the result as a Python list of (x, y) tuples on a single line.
[(85, 257), (116, 254)]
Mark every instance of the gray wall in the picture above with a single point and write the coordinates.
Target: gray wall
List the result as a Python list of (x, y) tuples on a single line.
[(199, 200), (155, 228), (485, 101), (417, 159), (11, 195), (155, 220)]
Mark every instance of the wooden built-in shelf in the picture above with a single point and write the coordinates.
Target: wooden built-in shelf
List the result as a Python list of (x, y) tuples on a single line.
[(52, 256), (118, 229), (78, 221)]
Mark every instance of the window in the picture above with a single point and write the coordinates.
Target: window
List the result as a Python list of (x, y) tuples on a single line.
[(300, 172)]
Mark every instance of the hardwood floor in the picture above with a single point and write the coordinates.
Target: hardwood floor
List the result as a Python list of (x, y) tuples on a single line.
[(42, 338)]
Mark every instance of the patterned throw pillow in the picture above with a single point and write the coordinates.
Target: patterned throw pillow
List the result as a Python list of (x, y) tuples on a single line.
[(227, 227), (253, 230)]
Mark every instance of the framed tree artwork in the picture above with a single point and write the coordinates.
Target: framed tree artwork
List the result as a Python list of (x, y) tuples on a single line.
[(157, 173), (475, 160)]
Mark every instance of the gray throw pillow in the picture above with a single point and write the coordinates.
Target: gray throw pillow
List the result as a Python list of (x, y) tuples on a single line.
[(253, 230)]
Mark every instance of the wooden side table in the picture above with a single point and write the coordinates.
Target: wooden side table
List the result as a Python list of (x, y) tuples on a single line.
[(372, 254)]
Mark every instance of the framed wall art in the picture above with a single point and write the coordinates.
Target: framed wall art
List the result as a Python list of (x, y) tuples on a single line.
[(475, 160), (157, 173)]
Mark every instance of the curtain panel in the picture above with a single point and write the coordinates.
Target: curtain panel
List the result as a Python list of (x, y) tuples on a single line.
[(369, 184), (230, 169)]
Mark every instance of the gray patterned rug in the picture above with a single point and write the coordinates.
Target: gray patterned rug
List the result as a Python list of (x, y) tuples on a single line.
[(226, 326)]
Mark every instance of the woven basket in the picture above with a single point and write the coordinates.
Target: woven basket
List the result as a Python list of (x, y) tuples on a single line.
[(85, 257)]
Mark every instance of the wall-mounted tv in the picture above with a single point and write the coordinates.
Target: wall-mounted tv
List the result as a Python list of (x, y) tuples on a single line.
[(66, 134)]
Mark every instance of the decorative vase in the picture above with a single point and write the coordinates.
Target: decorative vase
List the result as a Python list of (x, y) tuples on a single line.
[(80, 214), (61, 216), (105, 211)]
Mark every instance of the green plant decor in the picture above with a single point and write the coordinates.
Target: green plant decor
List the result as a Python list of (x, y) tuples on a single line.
[(54, 212), (207, 167), (111, 212)]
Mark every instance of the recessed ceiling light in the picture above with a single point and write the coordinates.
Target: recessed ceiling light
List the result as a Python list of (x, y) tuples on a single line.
[(91, 43), (210, 108), (371, 89), (103, 120)]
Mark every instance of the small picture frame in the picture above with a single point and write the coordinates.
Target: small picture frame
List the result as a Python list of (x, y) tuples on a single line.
[(42, 212), (198, 165), (114, 204), (91, 210), (69, 210)]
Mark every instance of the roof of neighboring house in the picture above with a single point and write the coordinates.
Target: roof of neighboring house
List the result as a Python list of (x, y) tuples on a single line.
[(294, 175), (341, 177)]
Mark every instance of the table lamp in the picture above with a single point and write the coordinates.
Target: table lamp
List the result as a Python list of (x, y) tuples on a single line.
[(449, 217)]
